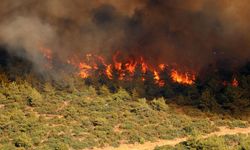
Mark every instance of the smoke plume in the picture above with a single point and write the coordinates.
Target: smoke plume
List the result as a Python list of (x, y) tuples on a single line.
[(190, 33)]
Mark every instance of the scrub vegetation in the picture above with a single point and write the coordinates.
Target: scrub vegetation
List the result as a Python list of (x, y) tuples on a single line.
[(36, 115)]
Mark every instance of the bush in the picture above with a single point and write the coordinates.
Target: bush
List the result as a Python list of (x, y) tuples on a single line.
[(208, 101), (22, 141), (159, 104), (100, 121), (121, 95), (34, 98), (104, 91)]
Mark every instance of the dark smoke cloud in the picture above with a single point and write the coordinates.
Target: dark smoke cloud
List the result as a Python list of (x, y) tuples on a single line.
[(190, 33)]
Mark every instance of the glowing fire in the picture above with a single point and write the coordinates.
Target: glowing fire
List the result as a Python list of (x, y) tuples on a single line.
[(84, 66), (124, 69), (47, 54), (144, 67), (84, 69), (130, 67), (162, 66), (109, 72), (83, 74), (183, 78), (235, 82), (158, 79), (118, 65)]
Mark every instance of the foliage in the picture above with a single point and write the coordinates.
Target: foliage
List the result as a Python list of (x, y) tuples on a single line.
[(77, 116)]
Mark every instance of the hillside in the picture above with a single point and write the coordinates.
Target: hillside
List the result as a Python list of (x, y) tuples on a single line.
[(84, 117)]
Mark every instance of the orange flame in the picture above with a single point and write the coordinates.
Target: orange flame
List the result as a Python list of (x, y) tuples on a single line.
[(235, 82), (84, 70), (83, 74), (183, 78), (47, 54), (130, 67), (118, 65), (144, 68), (109, 72), (125, 70), (84, 66), (158, 79), (162, 66)]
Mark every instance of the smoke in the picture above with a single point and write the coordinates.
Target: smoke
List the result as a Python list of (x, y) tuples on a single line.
[(190, 33), (24, 36), (193, 32)]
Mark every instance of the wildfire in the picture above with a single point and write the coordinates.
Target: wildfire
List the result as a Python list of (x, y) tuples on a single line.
[(130, 67), (183, 78), (124, 69), (235, 82), (47, 54), (156, 76), (109, 72), (84, 70), (84, 66), (83, 74), (158, 79), (118, 65), (162, 66), (144, 67)]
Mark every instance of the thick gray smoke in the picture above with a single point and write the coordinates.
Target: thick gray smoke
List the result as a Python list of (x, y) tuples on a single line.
[(191, 33), (26, 35)]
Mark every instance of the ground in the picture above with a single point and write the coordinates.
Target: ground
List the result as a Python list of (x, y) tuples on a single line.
[(161, 143)]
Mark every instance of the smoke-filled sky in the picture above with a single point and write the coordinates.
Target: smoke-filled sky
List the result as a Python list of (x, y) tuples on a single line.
[(189, 32)]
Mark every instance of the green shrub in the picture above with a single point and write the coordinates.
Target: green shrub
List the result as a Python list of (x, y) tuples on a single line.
[(159, 104), (121, 95), (237, 123), (22, 141), (34, 98), (99, 121), (104, 91), (57, 144), (49, 89)]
